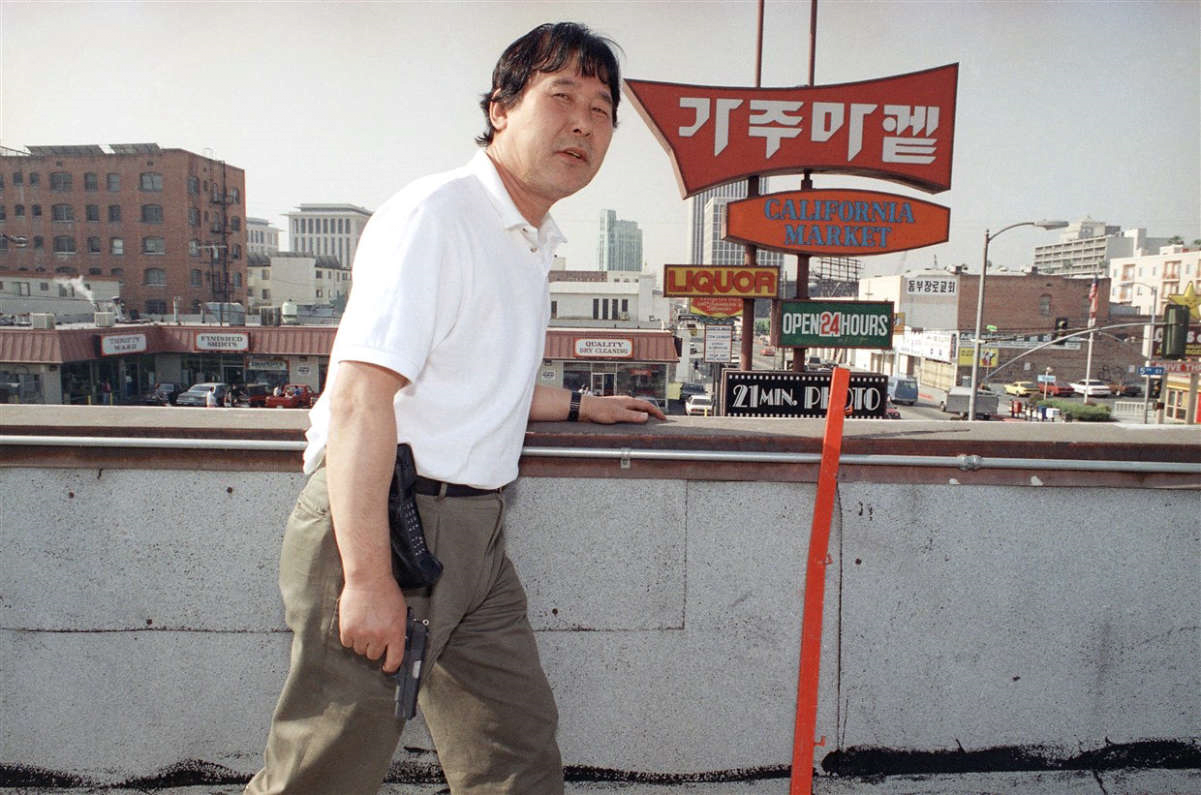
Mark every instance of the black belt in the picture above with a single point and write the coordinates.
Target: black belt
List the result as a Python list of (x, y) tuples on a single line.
[(439, 488)]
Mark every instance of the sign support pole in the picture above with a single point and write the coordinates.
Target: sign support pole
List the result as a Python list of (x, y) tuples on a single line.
[(804, 740)]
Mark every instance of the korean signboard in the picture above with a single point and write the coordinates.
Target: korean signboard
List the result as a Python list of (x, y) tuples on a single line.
[(836, 324), (900, 128), (119, 344), (773, 393), (837, 222), (719, 343), (603, 348), (222, 341), (724, 281), (931, 286)]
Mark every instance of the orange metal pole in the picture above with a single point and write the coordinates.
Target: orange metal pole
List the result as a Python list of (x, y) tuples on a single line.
[(803, 736)]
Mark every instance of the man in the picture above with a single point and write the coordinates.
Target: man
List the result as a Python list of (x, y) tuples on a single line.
[(440, 347)]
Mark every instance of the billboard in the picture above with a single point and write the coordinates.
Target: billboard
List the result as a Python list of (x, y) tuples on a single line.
[(837, 222), (836, 324), (899, 128), (715, 307), (776, 393)]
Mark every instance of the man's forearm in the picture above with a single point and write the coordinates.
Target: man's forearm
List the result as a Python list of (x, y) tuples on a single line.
[(360, 458)]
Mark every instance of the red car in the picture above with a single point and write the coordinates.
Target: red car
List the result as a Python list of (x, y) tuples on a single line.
[(1057, 390), (293, 396)]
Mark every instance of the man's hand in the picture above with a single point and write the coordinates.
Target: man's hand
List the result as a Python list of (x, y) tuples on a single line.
[(617, 408), (371, 620)]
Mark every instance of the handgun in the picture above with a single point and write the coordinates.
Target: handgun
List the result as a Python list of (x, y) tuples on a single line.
[(408, 676), (413, 565)]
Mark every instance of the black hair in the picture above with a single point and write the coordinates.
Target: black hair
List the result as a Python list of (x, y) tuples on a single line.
[(549, 48)]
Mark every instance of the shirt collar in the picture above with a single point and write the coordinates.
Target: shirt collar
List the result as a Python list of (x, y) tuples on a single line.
[(485, 171)]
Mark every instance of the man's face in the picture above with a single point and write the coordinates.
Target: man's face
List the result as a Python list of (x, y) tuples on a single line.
[(552, 142)]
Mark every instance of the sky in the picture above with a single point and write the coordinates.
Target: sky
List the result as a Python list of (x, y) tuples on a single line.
[(1065, 110)]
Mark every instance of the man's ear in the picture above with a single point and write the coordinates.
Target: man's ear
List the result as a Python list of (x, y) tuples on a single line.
[(498, 114)]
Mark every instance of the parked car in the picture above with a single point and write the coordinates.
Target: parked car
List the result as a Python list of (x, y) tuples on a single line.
[(1058, 389), (196, 395), (163, 394), (254, 396), (293, 396), (699, 404), (1125, 389), (1091, 387), (1020, 388)]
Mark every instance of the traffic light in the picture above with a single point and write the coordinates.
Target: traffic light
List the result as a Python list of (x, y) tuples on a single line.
[(1175, 330), (1061, 328)]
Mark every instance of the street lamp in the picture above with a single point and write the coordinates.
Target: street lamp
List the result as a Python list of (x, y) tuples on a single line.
[(971, 402)]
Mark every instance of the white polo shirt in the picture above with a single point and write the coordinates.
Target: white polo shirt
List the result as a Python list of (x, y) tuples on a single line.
[(450, 290)]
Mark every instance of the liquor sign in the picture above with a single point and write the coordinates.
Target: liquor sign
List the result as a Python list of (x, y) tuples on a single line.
[(727, 281), (716, 307), (836, 324), (776, 393), (119, 344), (603, 348), (836, 222), (719, 343), (222, 341), (899, 128)]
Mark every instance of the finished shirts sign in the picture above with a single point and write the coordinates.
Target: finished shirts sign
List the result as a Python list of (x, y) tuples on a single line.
[(900, 128)]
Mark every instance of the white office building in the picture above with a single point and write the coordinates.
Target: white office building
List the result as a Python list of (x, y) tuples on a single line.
[(1146, 281), (1086, 247), (261, 237), (327, 230)]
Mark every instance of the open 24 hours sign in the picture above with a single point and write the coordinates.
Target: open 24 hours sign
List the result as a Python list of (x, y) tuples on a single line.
[(836, 324)]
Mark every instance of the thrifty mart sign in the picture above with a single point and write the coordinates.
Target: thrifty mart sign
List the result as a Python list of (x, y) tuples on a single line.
[(836, 324), (837, 222), (687, 281)]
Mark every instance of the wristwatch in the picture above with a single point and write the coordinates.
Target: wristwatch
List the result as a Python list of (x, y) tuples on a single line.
[(573, 411)]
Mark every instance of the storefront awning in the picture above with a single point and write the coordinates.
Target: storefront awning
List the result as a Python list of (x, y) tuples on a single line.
[(632, 345)]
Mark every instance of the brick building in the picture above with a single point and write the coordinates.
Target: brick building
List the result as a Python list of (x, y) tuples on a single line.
[(168, 224)]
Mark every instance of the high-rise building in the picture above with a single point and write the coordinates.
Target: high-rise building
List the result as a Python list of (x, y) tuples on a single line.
[(715, 251), (620, 244), (167, 223), (1085, 248), (707, 246), (330, 230)]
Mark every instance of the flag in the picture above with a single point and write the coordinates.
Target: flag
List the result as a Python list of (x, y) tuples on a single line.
[(1092, 303)]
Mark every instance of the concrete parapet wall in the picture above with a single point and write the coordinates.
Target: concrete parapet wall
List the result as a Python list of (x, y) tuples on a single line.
[(140, 624)]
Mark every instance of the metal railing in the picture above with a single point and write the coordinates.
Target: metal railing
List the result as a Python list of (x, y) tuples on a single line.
[(624, 455)]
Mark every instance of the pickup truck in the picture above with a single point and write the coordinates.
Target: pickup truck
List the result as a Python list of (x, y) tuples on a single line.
[(294, 396), (957, 398)]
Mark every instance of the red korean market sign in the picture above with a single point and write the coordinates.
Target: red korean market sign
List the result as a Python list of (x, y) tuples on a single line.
[(837, 222), (719, 281), (899, 128)]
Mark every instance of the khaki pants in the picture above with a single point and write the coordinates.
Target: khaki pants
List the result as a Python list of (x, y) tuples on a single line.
[(484, 695)]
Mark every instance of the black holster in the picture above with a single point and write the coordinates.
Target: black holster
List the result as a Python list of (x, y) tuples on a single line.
[(413, 565)]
